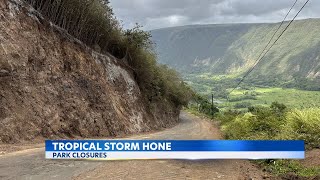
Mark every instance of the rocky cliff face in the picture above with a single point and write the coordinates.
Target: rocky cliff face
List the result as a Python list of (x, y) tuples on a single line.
[(53, 86)]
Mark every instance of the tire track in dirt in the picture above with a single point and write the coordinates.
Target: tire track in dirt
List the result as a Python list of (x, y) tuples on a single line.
[(191, 127), (30, 164)]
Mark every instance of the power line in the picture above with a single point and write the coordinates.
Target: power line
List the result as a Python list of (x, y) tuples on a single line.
[(280, 35), (276, 30), (259, 59)]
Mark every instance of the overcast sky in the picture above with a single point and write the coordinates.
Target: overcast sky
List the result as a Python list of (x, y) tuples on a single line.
[(154, 14)]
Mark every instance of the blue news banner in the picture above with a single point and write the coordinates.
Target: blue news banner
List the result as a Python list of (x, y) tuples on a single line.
[(174, 149)]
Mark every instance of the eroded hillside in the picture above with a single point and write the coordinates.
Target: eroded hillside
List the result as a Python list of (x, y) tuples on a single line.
[(52, 85)]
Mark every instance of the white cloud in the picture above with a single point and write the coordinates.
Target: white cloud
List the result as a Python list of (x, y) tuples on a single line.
[(154, 14)]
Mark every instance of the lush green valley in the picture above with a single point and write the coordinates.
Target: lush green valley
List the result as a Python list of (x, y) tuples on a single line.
[(280, 99), (265, 96), (213, 53)]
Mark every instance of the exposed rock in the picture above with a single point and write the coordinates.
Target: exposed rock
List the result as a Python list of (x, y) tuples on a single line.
[(4, 72), (63, 89)]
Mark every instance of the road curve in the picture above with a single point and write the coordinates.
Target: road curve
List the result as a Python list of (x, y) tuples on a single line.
[(31, 164)]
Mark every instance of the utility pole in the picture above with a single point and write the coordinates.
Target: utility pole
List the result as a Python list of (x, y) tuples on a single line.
[(212, 106)]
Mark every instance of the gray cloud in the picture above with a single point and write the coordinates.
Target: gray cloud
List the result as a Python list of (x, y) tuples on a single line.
[(153, 14)]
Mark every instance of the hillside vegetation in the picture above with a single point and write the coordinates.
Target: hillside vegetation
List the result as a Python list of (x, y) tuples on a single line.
[(274, 122), (229, 50), (93, 22), (68, 70)]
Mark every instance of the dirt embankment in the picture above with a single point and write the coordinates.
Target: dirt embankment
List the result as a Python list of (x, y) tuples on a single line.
[(53, 86)]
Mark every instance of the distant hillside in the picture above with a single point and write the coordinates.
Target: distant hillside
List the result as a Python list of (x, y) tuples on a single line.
[(232, 48)]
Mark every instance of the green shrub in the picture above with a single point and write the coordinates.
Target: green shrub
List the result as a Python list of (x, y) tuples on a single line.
[(274, 122), (258, 123), (93, 22), (245, 97), (202, 105), (242, 105), (278, 108), (304, 125), (227, 116), (250, 126), (239, 128), (285, 167)]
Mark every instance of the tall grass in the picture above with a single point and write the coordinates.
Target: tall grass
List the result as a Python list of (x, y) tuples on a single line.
[(274, 122), (93, 22), (303, 124)]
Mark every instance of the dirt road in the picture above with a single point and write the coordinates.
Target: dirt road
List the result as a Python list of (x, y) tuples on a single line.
[(31, 164)]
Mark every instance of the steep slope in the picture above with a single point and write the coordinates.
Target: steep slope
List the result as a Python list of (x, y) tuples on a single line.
[(233, 48), (52, 85), (186, 45)]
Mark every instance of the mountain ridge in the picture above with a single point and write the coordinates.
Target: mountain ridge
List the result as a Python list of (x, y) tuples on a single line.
[(231, 49), (257, 23)]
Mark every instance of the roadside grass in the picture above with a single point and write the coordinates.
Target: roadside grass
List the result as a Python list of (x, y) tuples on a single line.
[(249, 114), (302, 124), (273, 123), (282, 167)]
